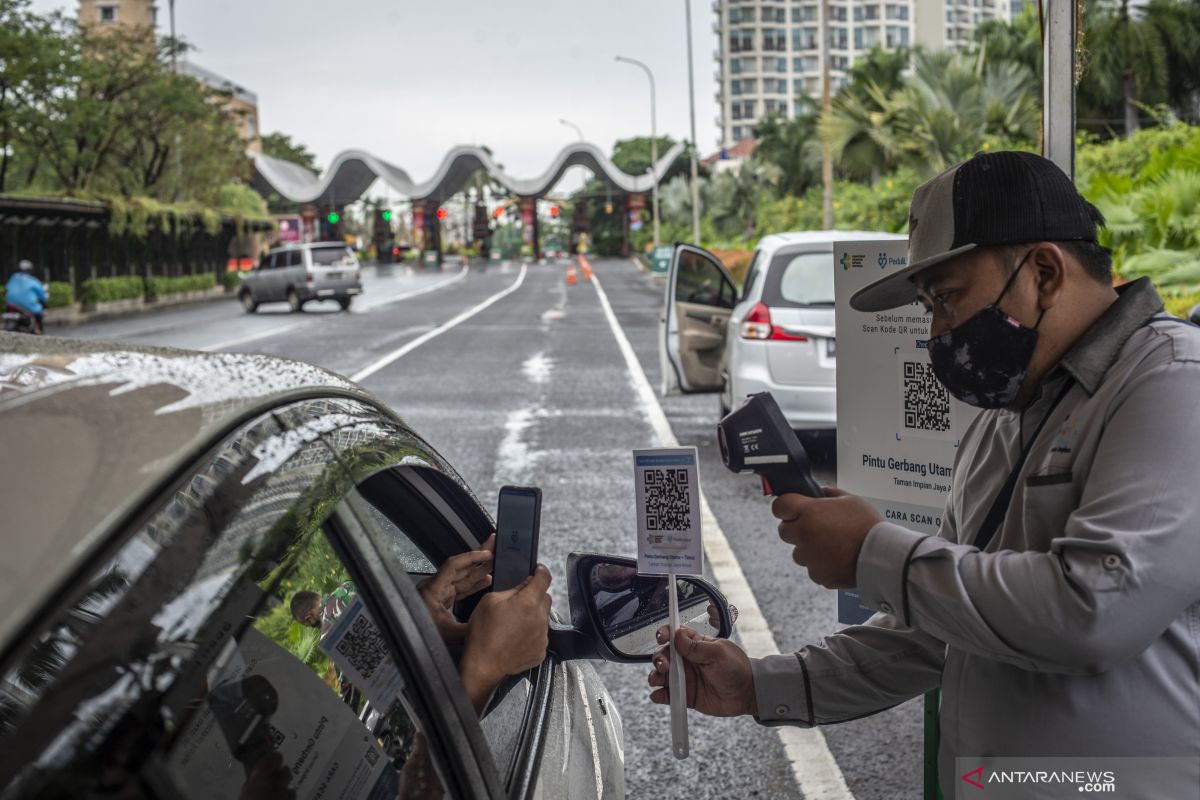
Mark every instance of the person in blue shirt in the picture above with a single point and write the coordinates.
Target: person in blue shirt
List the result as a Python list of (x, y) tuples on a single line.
[(26, 294)]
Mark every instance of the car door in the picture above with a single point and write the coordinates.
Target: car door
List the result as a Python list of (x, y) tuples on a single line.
[(700, 296), (553, 732), (179, 667)]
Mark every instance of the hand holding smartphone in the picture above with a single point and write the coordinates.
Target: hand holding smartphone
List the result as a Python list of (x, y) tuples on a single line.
[(518, 516)]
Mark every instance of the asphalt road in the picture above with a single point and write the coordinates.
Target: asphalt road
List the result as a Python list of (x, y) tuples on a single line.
[(534, 390)]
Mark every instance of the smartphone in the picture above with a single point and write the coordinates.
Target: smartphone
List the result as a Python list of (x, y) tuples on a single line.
[(518, 515)]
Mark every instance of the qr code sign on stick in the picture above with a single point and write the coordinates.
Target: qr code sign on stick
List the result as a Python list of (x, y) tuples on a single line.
[(667, 500), (356, 646), (925, 403)]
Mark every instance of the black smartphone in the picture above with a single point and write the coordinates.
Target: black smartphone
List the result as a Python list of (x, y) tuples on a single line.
[(518, 515)]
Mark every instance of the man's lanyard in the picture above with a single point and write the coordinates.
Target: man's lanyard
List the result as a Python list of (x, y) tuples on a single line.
[(996, 514)]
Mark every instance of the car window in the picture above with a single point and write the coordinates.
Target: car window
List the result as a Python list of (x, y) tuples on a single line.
[(181, 669), (405, 504), (699, 280), (332, 256), (800, 279), (295, 258)]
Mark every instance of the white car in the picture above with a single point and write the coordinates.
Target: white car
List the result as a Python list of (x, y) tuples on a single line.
[(776, 335)]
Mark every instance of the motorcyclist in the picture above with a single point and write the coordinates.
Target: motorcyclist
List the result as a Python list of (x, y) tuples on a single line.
[(26, 295)]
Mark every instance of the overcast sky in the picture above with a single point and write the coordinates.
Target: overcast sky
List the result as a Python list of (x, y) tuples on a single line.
[(406, 80)]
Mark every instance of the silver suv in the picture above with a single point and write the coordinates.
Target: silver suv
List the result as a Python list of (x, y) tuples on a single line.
[(299, 273)]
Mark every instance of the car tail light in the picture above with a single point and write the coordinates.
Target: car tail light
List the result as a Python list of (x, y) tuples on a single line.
[(757, 325), (395, 251), (308, 278)]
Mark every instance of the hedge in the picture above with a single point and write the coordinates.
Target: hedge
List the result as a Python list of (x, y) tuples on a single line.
[(59, 291), (157, 287), (106, 290), (232, 280)]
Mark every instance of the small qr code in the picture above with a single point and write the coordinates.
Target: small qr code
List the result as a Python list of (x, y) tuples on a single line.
[(926, 401), (363, 646), (276, 736), (667, 506), (372, 756)]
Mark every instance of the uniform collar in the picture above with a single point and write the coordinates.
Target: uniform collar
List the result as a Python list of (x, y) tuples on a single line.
[(1089, 359)]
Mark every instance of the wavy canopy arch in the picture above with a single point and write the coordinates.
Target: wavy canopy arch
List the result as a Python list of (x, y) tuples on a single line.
[(353, 172)]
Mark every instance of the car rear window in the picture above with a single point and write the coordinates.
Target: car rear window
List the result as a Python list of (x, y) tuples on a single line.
[(800, 279), (332, 256)]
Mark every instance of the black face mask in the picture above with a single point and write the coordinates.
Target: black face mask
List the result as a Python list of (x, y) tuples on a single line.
[(983, 361)]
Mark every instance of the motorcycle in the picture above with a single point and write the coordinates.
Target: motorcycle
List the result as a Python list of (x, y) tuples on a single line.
[(18, 321)]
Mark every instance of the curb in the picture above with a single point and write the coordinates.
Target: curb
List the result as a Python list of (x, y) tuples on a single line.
[(74, 315)]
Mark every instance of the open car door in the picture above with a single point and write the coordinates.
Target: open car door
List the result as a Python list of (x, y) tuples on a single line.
[(699, 300)]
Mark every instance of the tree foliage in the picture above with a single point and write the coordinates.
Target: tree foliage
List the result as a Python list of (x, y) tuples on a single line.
[(280, 145), (88, 112)]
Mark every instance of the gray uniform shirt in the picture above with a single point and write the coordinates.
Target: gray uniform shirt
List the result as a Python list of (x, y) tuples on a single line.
[(1077, 631)]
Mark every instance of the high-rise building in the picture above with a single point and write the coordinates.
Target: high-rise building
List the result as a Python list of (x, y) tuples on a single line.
[(241, 105), (127, 13), (770, 50)]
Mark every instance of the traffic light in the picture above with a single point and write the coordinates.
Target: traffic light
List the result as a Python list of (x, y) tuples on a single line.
[(386, 215), (554, 211), (608, 208), (441, 213), (334, 218)]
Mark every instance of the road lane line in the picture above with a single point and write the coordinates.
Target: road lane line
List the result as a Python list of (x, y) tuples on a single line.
[(814, 768), (400, 352), (292, 325)]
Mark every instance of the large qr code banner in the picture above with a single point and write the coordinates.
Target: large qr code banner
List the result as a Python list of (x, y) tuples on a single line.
[(925, 405)]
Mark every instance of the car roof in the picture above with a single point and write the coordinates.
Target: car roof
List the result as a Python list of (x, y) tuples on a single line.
[(776, 241), (92, 429)]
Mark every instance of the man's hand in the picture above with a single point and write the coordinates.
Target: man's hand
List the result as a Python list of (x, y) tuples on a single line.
[(716, 671), (826, 534), (459, 576), (508, 633)]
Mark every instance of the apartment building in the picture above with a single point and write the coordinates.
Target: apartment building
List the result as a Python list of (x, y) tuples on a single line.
[(771, 50)]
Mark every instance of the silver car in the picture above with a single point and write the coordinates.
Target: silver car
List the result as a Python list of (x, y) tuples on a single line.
[(776, 335), (296, 274), (168, 514)]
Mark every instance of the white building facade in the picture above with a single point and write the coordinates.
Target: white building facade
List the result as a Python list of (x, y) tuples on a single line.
[(770, 50)]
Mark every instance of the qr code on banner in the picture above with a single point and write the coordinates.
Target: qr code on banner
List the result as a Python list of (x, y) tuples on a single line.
[(363, 646), (926, 401), (667, 506)]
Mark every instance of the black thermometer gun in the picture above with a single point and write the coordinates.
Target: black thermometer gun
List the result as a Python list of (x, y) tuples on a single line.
[(757, 438)]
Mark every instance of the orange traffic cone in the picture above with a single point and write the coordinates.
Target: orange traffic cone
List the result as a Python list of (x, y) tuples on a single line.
[(586, 267), (572, 277)]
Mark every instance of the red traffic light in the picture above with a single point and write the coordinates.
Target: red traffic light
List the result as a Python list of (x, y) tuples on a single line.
[(554, 211), (395, 251), (441, 213)]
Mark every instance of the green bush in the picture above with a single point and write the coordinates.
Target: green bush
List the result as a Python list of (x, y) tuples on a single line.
[(61, 295), (232, 280), (158, 287), (107, 290)]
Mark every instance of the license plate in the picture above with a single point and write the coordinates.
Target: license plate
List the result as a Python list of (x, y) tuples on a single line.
[(11, 315), (831, 348), (324, 292), (333, 276)]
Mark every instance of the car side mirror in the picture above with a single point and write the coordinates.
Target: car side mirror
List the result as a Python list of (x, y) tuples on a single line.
[(615, 613)]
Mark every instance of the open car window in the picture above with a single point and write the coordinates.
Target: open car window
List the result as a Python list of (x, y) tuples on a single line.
[(223, 649)]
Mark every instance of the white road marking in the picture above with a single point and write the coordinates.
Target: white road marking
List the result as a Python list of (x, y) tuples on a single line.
[(291, 325), (400, 352), (813, 766)]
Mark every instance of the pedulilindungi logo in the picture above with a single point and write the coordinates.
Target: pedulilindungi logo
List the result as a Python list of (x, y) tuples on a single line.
[(854, 260), (885, 261)]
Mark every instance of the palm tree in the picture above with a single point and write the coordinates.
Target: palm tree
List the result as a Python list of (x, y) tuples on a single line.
[(1128, 59), (791, 146)]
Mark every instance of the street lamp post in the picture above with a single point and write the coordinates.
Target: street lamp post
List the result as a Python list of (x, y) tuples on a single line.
[(653, 140), (578, 130), (687, 7)]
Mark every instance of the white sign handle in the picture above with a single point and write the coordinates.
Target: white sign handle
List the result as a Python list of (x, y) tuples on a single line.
[(679, 722)]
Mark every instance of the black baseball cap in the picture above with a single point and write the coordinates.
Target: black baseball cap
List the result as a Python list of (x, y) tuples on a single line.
[(1007, 197)]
